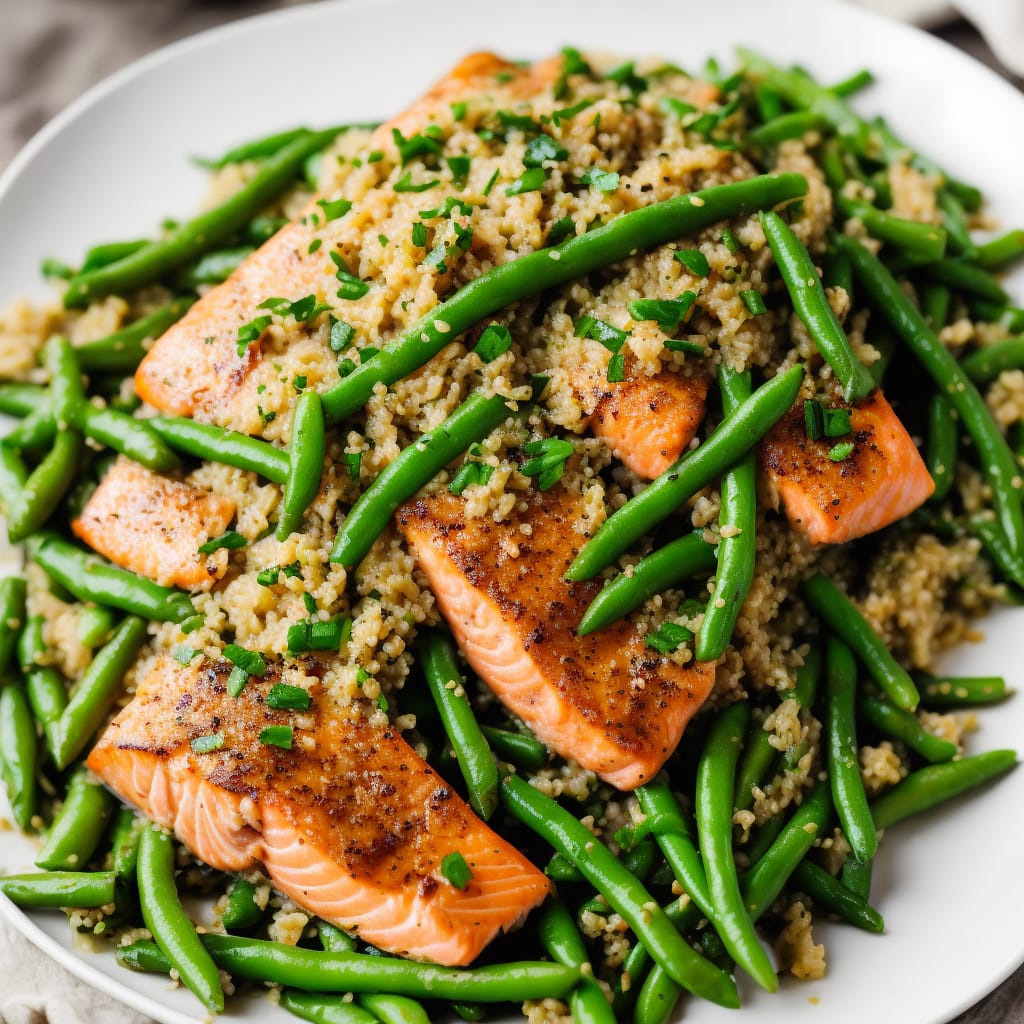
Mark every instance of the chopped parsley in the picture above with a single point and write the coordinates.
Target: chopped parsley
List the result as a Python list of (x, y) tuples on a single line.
[(352, 287), (531, 180), (334, 208), (252, 331), (314, 635), (231, 540), (459, 109), (568, 113), (183, 654), (729, 240), (342, 334), (283, 697), (611, 337), (471, 471), (495, 341), (603, 181), (668, 637), (543, 147), (617, 368), (695, 261), (518, 122), (820, 421), (419, 234), (207, 744), (272, 574), (277, 736), (426, 144), (456, 870), (447, 208), (679, 108), (459, 166), (625, 74), (572, 64), (560, 231), (667, 312), (406, 184), (547, 460)]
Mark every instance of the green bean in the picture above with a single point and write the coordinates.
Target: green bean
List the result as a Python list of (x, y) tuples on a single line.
[(770, 872), (935, 783), (31, 644), (687, 556), (79, 825), (998, 252), (716, 780), (960, 691), (18, 754), (904, 726), (469, 1011), (735, 436), (856, 876), (125, 837), (213, 267), (935, 301), (48, 697), (987, 363), (270, 145), (13, 590), (917, 240), (44, 488), (758, 757), (793, 125), (305, 463), (624, 893), (334, 940), (393, 1009), (954, 220), (656, 224), (36, 430), (90, 579), (314, 971), (476, 762), (20, 399), (966, 277), (109, 252), (769, 103), (812, 307), (808, 675), (325, 1009), (942, 444), (410, 470), (737, 520), (168, 923), (658, 997), (833, 896), (199, 235), (848, 796), (59, 888), (1009, 317), (763, 837), (95, 625), (92, 699), (857, 81), (242, 912), (997, 548), (564, 944), (842, 617), (524, 751), (122, 351), (218, 444)]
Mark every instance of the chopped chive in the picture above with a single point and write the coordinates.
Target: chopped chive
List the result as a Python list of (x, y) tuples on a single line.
[(314, 246), (456, 870), (754, 302), (277, 736), (729, 240), (352, 463), (231, 540), (283, 697), (495, 341), (183, 654), (207, 744), (491, 182), (814, 419), (695, 261), (250, 661), (310, 603), (237, 679), (691, 348), (841, 451), (531, 180)]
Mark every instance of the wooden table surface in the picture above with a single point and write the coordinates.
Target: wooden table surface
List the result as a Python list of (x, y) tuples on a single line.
[(52, 50)]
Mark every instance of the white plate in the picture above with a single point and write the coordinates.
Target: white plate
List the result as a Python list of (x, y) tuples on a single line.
[(114, 164)]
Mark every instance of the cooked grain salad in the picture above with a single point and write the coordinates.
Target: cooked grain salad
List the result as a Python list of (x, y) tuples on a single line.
[(498, 555)]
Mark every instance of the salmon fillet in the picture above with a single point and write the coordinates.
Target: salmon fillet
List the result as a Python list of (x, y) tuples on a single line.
[(351, 823), (194, 368), (882, 480), (606, 700), (154, 526), (649, 421)]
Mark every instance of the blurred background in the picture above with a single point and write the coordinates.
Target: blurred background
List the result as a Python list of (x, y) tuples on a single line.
[(51, 51)]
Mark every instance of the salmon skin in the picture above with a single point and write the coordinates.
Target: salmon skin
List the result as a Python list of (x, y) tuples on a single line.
[(194, 368), (882, 480), (350, 823), (154, 526), (606, 700), (648, 422)]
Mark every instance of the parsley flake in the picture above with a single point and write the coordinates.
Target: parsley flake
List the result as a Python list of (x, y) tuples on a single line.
[(695, 261), (334, 208), (495, 341), (547, 460), (617, 368), (406, 184), (603, 181), (668, 637), (283, 697), (611, 337), (342, 334), (543, 147), (531, 180)]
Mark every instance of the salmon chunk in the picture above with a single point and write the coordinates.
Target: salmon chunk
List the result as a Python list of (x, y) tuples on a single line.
[(606, 700), (194, 368), (648, 422), (350, 822), (881, 480), (154, 526)]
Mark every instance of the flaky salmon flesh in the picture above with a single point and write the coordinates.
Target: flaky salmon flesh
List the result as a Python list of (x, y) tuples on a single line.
[(607, 701), (350, 822), (881, 480)]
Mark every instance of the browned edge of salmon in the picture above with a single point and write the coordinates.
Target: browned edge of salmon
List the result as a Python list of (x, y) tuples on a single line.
[(154, 526), (648, 422), (350, 823), (194, 367), (882, 480), (605, 700)]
